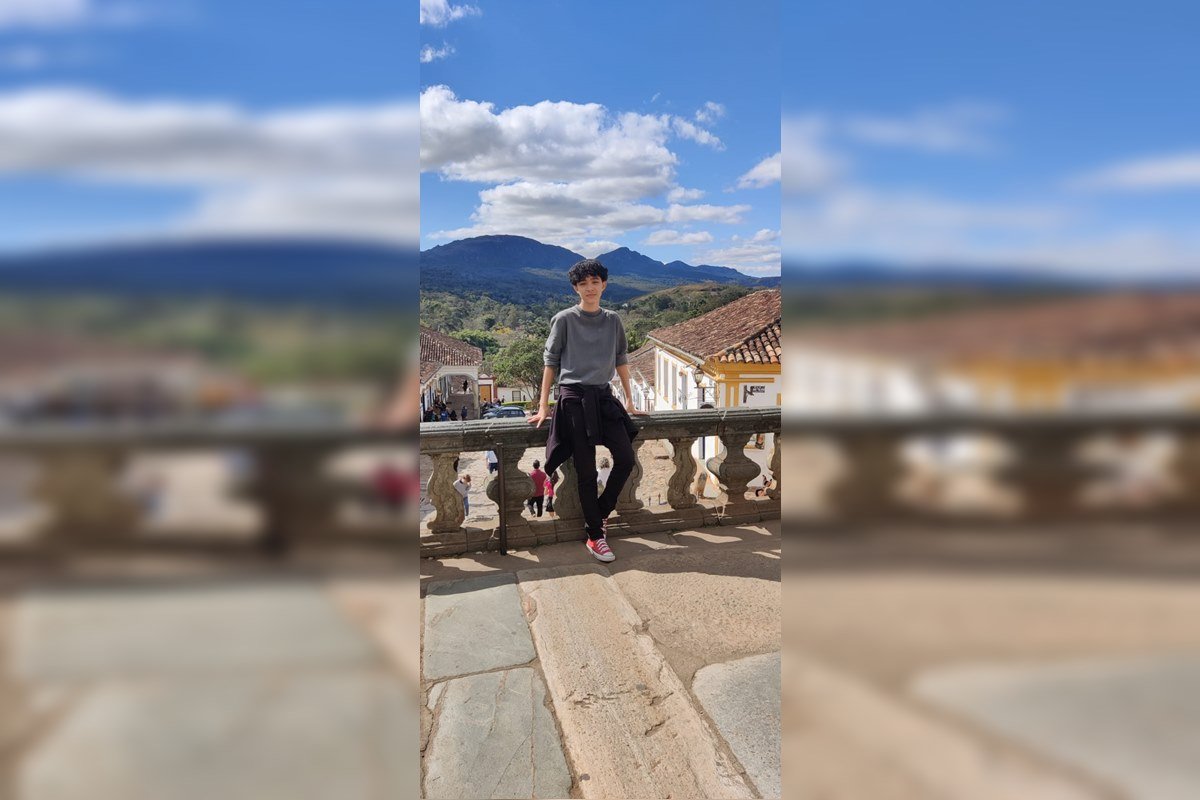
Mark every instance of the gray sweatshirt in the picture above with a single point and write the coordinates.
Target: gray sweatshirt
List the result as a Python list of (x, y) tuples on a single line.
[(586, 347)]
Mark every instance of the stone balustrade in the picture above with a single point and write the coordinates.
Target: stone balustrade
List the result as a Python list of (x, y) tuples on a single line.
[(444, 533), (283, 474), (843, 471)]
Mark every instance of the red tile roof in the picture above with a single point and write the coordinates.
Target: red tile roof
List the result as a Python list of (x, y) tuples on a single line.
[(746, 330), (642, 363), (439, 350), (1127, 325)]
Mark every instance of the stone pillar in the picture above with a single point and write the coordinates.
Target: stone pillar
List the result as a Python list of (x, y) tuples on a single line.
[(679, 487), (734, 472), (80, 489), (1047, 473), (773, 491), (296, 496), (627, 500), (566, 493), (1185, 468), (517, 488), (447, 502), (867, 488)]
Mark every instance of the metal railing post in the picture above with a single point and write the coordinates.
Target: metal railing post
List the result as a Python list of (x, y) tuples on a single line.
[(503, 497)]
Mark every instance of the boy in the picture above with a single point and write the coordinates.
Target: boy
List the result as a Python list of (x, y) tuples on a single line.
[(585, 347), (539, 488)]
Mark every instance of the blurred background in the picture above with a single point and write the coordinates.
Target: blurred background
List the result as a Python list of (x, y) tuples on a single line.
[(992, 317), (209, 216)]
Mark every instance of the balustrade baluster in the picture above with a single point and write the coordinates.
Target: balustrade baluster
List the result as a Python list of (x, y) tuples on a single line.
[(776, 463), (627, 501), (81, 489), (734, 471), (679, 487), (297, 497), (447, 502), (517, 488)]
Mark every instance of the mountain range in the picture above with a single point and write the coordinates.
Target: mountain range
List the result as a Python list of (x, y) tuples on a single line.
[(326, 272), (507, 268), (519, 269)]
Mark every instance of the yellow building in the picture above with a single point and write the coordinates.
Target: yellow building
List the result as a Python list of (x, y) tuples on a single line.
[(1124, 350)]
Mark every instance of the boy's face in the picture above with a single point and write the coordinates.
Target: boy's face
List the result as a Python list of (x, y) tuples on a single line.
[(590, 289)]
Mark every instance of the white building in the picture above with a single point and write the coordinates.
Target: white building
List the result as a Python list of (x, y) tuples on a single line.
[(727, 358)]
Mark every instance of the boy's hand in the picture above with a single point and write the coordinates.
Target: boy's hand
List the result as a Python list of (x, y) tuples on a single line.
[(635, 412), (543, 414)]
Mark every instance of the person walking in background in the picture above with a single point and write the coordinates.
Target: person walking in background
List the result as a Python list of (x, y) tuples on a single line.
[(492, 461), (464, 411), (551, 479), (463, 487), (539, 488)]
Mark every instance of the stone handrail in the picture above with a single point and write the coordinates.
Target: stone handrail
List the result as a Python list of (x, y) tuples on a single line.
[(444, 442), (79, 470)]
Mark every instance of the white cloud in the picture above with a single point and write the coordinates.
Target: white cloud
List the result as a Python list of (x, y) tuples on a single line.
[(710, 113), (764, 235), (593, 249), (657, 95), (729, 215), (1174, 171), (440, 13), (49, 14), (560, 172), (808, 163), (31, 58), (429, 53), (680, 194), (43, 13), (750, 258), (664, 237), (686, 130), (290, 170), (763, 174), (953, 128), (351, 208)]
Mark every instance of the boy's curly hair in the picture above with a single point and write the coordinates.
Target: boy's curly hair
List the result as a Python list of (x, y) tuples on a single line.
[(585, 269)]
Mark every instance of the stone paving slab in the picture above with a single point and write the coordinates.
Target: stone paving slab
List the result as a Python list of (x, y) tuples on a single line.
[(706, 606), (95, 634), (474, 625), (629, 727), (848, 740), (495, 738), (1132, 721), (743, 700), (346, 734)]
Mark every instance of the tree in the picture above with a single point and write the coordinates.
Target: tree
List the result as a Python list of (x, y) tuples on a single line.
[(481, 339), (520, 364)]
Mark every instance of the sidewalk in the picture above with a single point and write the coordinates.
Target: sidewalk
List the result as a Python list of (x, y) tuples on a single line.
[(654, 676)]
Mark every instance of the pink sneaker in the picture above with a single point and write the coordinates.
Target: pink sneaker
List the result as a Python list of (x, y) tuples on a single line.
[(600, 550)]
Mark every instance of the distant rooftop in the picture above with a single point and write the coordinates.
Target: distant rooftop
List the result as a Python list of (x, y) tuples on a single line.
[(1128, 325), (747, 331)]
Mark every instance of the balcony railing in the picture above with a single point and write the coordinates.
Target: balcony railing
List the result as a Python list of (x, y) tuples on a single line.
[(444, 533), (279, 485), (287, 487)]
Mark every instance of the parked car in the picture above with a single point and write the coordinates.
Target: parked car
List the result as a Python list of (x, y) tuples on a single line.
[(504, 411)]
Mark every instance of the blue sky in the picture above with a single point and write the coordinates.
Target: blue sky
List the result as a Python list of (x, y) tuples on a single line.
[(1045, 136), (593, 125), (135, 119)]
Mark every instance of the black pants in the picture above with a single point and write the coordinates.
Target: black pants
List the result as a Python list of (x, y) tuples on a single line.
[(535, 502), (616, 439)]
